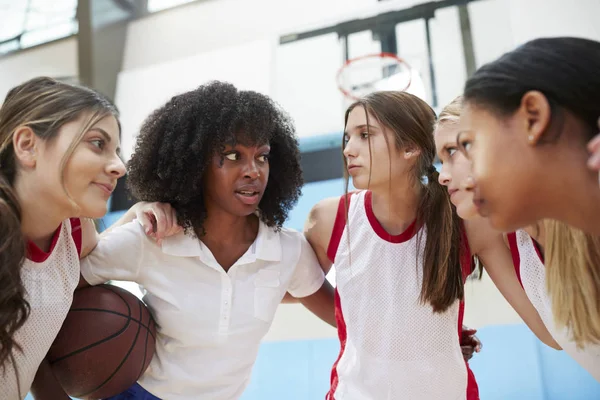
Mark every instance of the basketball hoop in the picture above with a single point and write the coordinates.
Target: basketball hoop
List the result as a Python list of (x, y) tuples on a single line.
[(369, 73)]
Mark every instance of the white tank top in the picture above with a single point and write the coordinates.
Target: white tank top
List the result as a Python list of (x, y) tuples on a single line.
[(49, 280), (532, 274), (392, 346)]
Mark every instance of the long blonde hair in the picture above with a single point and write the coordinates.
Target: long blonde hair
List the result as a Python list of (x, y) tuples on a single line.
[(572, 260)]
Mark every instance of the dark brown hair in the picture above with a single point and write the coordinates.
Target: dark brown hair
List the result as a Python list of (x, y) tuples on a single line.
[(44, 105), (412, 121)]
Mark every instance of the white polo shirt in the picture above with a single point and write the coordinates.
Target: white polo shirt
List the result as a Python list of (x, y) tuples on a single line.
[(210, 321)]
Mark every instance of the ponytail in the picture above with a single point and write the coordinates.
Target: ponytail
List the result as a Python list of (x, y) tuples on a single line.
[(442, 271)]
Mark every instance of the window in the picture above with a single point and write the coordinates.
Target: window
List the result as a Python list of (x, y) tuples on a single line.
[(28, 23)]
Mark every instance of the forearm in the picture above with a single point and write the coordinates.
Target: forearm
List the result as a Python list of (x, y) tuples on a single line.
[(322, 303), (46, 386), (126, 218), (289, 299)]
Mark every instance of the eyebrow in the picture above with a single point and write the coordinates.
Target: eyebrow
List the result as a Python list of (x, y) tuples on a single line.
[(363, 126), (106, 136)]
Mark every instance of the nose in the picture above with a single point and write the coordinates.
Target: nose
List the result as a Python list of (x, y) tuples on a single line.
[(251, 172), (444, 178), (116, 167), (349, 150)]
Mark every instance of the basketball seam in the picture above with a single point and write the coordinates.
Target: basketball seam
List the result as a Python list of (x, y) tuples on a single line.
[(128, 352), (119, 314)]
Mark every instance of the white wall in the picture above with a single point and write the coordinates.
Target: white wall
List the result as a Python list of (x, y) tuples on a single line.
[(58, 59)]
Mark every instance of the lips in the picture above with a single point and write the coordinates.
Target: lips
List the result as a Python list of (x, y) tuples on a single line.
[(249, 194), (106, 187), (352, 167)]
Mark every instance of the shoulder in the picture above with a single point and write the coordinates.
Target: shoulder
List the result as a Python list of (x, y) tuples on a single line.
[(481, 235), (322, 218)]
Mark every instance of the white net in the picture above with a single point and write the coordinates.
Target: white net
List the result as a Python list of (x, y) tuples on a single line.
[(364, 75)]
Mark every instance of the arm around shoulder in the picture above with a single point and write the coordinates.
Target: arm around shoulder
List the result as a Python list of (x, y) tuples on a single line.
[(117, 256)]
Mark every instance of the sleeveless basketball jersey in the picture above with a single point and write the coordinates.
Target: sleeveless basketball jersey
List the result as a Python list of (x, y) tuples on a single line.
[(393, 347), (531, 272), (49, 280)]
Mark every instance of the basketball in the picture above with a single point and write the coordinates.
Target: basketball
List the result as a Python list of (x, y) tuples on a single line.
[(105, 343)]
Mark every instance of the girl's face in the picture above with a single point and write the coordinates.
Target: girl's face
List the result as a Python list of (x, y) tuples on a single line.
[(505, 168), (456, 169), (372, 155), (235, 180), (88, 177)]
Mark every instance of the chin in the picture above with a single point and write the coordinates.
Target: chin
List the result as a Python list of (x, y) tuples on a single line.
[(467, 211), (95, 212), (359, 184)]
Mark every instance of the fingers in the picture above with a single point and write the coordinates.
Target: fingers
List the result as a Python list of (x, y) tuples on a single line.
[(594, 149), (467, 352), (159, 220), (147, 222)]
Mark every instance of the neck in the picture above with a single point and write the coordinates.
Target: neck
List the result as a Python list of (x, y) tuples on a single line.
[(582, 202), (39, 219), (396, 207), (574, 189), (224, 229)]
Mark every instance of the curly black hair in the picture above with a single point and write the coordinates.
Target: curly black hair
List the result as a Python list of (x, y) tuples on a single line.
[(178, 141)]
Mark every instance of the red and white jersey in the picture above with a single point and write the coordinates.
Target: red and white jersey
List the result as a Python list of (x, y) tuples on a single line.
[(393, 347), (49, 280), (531, 272)]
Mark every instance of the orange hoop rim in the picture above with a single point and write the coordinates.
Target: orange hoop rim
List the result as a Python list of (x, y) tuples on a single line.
[(347, 93)]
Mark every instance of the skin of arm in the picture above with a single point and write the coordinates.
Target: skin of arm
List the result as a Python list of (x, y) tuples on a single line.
[(488, 244)]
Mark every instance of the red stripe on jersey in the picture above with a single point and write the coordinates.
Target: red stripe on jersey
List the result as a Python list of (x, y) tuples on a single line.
[(343, 335), (467, 267), (538, 250), (380, 230), (338, 226), (76, 233), (35, 254), (514, 252)]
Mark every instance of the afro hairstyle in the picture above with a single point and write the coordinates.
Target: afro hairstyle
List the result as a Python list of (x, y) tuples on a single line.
[(178, 141)]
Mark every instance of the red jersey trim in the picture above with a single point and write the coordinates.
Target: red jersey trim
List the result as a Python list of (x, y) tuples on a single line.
[(467, 267), (514, 252), (538, 249), (37, 255), (76, 233), (338, 227), (342, 335), (380, 231)]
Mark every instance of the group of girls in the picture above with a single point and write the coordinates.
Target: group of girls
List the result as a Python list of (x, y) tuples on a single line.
[(218, 170)]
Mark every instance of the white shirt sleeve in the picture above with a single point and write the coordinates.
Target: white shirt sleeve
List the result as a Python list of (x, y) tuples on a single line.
[(117, 256), (308, 276)]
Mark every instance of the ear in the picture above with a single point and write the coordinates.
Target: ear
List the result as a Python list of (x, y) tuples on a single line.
[(25, 144), (411, 152), (536, 110)]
